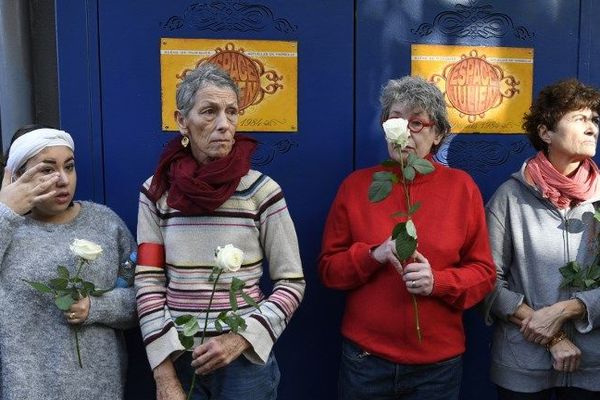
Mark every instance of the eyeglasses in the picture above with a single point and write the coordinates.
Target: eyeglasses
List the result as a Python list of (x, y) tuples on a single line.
[(415, 125)]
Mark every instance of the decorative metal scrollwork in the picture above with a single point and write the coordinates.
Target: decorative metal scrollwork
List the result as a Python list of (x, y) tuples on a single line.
[(473, 20), (480, 155), (228, 15), (266, 152)]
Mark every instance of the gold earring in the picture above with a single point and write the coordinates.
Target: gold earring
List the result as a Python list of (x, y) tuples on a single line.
[(185, 141)]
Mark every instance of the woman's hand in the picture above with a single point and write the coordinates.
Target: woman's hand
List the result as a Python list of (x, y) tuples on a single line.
[(168, 386), (418, 276), (218, 352), (79, 311), (542, 324), (565, 356), (31, 188), (386, 252)]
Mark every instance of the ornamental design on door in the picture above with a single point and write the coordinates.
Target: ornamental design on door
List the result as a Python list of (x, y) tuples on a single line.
[(247, 72), (474, 86)]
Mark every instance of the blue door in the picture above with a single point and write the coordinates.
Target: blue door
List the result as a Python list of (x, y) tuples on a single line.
[(110, 99)]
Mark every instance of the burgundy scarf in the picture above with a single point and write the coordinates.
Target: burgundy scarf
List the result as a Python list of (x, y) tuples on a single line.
[(561, 190), (194, 188)]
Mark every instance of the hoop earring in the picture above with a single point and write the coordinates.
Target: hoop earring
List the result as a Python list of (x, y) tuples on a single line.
[(185, 141)]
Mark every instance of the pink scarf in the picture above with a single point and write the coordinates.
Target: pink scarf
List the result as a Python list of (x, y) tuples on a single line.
[(563, 191)]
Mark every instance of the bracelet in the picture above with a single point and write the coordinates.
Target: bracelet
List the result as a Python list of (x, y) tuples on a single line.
[(555, 339)]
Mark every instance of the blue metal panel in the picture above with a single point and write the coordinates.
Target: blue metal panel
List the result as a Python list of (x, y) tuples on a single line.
[(79, 95), (385, 32), (109, 82), (309, 164)]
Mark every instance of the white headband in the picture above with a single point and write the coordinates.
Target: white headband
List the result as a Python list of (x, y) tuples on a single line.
[(32, 143)]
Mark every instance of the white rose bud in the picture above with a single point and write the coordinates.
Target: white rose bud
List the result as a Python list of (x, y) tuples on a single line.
[(396, 131), (229, 257), (85, 249)]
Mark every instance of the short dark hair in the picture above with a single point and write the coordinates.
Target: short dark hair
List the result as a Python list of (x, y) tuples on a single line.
[(553, 102)]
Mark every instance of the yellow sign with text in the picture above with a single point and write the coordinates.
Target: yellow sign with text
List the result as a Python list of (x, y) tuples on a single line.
[(266, 72), (487, 89)]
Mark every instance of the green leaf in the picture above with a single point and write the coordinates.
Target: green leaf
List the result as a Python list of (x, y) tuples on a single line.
[(233, 300), (250, 300), (390, 163), (565, 283), (63, 272), (191, 327), (411, 229), (423, 166), (594, 272), (58, 283), (64, 302), (237, 284), (186, 341), (379, 190), (40, 287), (218, 326), (235, 322), (405, 244), (98, 292), (576, 277), (589, 283), (597, 214), (410, 159), (87, 287), (242, 325), (414, 208), (409, 173), (183, 319), (215, 272)]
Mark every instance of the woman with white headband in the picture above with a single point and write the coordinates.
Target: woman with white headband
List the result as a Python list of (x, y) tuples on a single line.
[(38, 222)]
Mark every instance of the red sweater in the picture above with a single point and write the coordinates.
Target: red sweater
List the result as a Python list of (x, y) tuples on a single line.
[(379, 314)]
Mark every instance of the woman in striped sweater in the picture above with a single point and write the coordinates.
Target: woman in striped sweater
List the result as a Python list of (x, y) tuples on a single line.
[(204, 195)]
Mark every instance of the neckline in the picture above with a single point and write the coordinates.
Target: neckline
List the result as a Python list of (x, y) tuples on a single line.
[(82, 208)]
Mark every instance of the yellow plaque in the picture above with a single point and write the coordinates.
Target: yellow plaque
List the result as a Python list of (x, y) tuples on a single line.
[(266, 72), (487, 89)]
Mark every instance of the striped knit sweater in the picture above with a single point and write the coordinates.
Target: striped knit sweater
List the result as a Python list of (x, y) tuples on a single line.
[(176, 257)]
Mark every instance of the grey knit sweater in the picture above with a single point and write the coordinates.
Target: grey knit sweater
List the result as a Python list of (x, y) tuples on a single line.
[(37, 346), (531, 239)]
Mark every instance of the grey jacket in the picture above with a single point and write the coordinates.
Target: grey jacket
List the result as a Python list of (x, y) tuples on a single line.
[(531, 239)]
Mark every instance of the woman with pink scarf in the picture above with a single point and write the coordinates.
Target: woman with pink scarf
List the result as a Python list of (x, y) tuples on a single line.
[(544, 237)]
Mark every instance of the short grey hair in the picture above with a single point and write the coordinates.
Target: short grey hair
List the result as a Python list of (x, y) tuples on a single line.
[(203, 75), (414, 92)]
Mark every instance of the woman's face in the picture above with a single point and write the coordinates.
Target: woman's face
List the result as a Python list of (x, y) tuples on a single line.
[(58, 159), (574, 138), (211, 123), (418, 143)]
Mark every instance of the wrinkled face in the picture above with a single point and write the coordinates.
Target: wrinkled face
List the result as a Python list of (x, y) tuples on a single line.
[(419, 143), (211, 123), (57, 159), (575, 136)]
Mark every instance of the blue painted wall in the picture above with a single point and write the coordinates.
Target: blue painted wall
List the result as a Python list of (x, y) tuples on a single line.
[(109, 88)]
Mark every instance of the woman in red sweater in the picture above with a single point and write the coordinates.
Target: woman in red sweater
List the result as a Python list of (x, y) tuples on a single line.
[(452, 269)]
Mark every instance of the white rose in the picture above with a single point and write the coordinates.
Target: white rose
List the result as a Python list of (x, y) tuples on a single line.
[(85, 249), (396, 131), (229, 257)]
